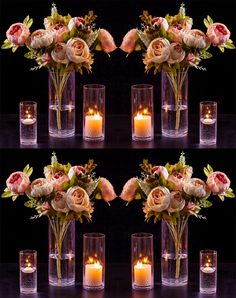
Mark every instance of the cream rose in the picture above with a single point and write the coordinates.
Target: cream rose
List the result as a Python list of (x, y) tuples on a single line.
[(158, 51), (107, 190), (59, 180), (177, 31), (75, 170), (59, 32), (59, 53), (40, 39), (107, 42), (129, 189), (78, 200), (160, 170), (177, 202), (77, 51), (18, 34), (59, 202), (40, 187), (129, 41), (177, 179), (18, 182), (177, 53), (158, 200), (218, 182), (195, 187), (218, 34), (159, 21), (77, 21), (195, 38)]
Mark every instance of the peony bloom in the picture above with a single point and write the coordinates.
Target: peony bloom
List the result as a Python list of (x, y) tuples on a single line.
[(159, 21), (59, 53), (59, 180), (195, 38), (40, 187), (78, 200), (129, 41), (59, 202), (177, 53), (158, 51), (218, 34), (75, 170), (59, 32), (18, 182), (177, 202), (195, 187), (78, 51), (129, 190), (40, 39), (107, 190), (77, 21), (218, 182), (177, 179), (18, 34), (160, 170), (177, 31), (158, 200)]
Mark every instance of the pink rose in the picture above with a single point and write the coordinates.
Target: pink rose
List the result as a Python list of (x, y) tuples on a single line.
[(77, 21), (193, 60), (40, 39), (218, 34), (59, 53), (59, 32), (78, 200), (59, 180), (159, 21), (195, 187), (129, 189), (177, 202), (43, 209), (107, 41), (158, 51), (44, 59), (158, 200), (18, 182), (107, 190), (177, 53), (40, 187), (78, 51), (59, 202), (177, 179), (218, 182), (192, 209), (177, 31), (129, 41), (75, 170), (160, 170), (195, 38), (18, 34)]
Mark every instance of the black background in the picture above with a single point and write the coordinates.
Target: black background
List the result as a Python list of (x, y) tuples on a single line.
[(118, 73)]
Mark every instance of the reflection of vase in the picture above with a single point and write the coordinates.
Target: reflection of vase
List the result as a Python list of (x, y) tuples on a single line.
[(61, 88), (174, 261), (61, 267), (174, 95)]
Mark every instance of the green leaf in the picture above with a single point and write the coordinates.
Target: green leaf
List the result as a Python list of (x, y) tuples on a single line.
[(210, 169), (221, 197), (206, 55), (222, 49), (206, 172), (26, 20), (29, 204), (138, 196), (26, 168), (210, 21), (98, 196), (6, 194), (14, 48), (30, 171), (29, 55), (7, 44), (230, 46), (229, 194), (206, 23), (29, 24), (206, 204), (14, 197)]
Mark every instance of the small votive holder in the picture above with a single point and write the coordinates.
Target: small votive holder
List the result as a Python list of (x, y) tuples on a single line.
[(208, 122), (28, 122), (93, 112), (93, 261), (28, 271), (142, 261), (142, 112), (208, 271)]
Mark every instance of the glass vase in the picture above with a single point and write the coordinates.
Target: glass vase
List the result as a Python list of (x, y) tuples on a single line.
[(61, 267), (174, 260), (174, 96), (61, 91)]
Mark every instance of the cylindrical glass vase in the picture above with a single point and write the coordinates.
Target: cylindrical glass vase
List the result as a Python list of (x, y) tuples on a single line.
[(28, 271), (28, 122), (61, 259), (174, 110), (61, 112), (208, 123), (174, 259), (208, 271)]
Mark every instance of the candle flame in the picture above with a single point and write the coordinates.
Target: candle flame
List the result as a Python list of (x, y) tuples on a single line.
[(145, 111), (90, 260), (97, 264), (139, 264), (90, 111)]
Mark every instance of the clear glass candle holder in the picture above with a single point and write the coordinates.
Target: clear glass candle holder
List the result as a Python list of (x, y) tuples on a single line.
[(208, 271), (28, 122), (208, 122), (28, 271), (142, 112), (142, 261), (93, 261), (93, 112)]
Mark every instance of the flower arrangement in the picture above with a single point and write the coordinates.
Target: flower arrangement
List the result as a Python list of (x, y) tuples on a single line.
[(170, 45), (65, 194), (171, 194)]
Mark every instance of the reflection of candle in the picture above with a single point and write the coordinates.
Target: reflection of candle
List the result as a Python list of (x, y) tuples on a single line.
[(142, 125), (93, 274), (142, 274), (93, 125)]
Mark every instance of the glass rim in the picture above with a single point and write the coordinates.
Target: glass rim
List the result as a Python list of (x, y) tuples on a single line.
[(142, 235), (208, 251), (94, 235), (208, 102), (94, 86), (28, 251), (28, 102), (142, 86)]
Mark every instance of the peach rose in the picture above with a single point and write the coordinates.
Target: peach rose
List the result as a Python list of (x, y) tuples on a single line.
[(75, 170), (195, 187), (177, 53), (40, 39), (58, 181), (160, 170), (218, 34), (158, 51), (18, 34), (177, 31), (158, 200), (218, 182), (78, 200), (59, 32), (177, 179), (159, 21), (18, 182), (129, 41), (59, 202), (129, 189), (177, 202), (107, 42), (195, 38), (77, 21), (107, 190), (59, 53), (40, 187), (78, 51)]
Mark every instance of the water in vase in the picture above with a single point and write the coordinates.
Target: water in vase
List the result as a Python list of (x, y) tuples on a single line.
[(28, 280), (28, 131), (208, 280), (208, 131)]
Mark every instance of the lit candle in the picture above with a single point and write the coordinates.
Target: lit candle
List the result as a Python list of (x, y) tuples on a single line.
[(208, 119), (142, 125), (142, 274), (93, 125), (28, 269), (93, 274), (28, 120), (207, 268)]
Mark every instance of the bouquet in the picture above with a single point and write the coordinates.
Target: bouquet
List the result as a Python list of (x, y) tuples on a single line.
[(65, 194), (170, 45), (172, 195)]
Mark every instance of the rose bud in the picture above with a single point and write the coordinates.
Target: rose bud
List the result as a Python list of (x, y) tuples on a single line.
[(77, 21), (159, 21), (160, 170), (129, 41), (75, 170), (129, 190), (107, 190), (107, 42)]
